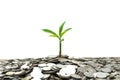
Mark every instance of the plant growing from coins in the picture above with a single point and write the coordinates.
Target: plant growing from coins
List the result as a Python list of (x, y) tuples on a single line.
[(58, 35)]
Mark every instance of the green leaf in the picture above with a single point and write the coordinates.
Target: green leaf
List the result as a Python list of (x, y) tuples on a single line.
[(51, 32), (65, 31), (61, 28), (53, 36)]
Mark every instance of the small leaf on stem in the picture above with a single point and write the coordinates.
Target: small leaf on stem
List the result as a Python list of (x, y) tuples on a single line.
[(65, 31), (51, 32), (61, 28)]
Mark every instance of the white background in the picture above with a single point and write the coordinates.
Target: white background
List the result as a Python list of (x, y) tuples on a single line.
[(95, 28)]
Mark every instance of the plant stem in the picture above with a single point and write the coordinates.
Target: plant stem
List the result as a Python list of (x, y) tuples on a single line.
[(60, 48)]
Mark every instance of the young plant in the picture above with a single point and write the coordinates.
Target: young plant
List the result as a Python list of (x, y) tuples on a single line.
[(59, 36)]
